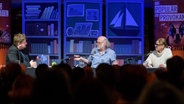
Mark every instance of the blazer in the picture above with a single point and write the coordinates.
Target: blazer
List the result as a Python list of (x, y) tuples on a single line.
[(15, 55)]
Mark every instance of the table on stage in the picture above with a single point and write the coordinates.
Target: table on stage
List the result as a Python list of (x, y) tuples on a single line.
[(150, 70), (31, 71)]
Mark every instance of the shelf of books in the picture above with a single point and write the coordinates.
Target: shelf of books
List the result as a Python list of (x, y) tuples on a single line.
[(41, 23), (125, 29), (82, 26)]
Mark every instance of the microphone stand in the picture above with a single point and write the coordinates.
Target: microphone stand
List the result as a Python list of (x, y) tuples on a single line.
[(146, 55), (65, 60)]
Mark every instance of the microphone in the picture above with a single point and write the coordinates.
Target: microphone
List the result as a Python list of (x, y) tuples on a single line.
[(65, 59), (149, 53), (94, 52)]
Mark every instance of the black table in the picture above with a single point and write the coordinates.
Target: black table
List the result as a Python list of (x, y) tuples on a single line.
[(31, 71)]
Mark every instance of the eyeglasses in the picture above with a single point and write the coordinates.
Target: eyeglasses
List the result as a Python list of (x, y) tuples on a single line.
[(99, 42), (158, 44)]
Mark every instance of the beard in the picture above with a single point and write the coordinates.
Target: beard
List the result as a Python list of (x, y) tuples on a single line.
[(101, 47)]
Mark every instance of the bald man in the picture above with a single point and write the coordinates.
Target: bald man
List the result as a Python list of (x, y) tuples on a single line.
[(100, 54)]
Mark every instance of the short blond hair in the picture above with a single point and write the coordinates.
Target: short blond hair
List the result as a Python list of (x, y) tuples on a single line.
[(18, 38), (162, 41)]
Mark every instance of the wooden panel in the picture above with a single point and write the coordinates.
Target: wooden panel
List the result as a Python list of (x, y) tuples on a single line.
[(178, 53), (3, 52)]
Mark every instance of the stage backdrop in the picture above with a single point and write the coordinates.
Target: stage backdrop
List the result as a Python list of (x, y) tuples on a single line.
[(169, 23), (5, 37)]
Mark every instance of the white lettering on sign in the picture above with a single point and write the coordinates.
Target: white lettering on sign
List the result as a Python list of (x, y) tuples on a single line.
[(166, 9), (1, 6), (172, 17), (4, 13)]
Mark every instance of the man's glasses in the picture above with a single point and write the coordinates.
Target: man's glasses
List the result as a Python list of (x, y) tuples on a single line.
[(99, 42)]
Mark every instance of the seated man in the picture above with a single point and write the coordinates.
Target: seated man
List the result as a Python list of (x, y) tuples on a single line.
[(16, 52), (100, 54)]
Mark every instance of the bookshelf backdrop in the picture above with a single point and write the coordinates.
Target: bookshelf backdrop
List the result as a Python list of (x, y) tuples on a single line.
[(41, 23), (124, 29), (81, 22), (82, 26)]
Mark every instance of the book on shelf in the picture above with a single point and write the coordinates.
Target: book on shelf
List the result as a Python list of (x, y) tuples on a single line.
[(47, 12), (71, 45), (80, 46), (54, 14), (39, 48), (136, 47), (55, 46), (50, 29), (67, 46), (32, 11), (140, 47), (51, 46), (87, 46), (50, 10), (32, 6), (123, 48)]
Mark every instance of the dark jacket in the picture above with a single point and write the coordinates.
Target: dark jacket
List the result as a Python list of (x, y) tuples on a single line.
[(14, 55)]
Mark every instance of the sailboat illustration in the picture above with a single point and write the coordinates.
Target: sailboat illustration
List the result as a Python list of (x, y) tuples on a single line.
[(123, 23)]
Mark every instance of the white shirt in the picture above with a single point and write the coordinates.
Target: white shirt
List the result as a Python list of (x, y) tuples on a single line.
[(155, 59)]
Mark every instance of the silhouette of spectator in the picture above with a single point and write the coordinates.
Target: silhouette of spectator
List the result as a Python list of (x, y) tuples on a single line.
[(54, 88), (105, 73), (132, 80), (77, 74), (108, 76), (91, 91), (175, 67), (66, 67), (8, 75), (88, 71), (3, 92), (160, 92), (21, 92), (41, 71), (11, 71), (160, 73)]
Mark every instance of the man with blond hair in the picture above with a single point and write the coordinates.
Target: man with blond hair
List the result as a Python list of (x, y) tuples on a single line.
[(15, 52)]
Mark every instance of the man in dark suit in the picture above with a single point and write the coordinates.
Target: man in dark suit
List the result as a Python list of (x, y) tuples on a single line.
[(16, 52)]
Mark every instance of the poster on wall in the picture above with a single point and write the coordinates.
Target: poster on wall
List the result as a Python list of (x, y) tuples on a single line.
[(5, 29), (169, 24), (5, 37), (124, 19)]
